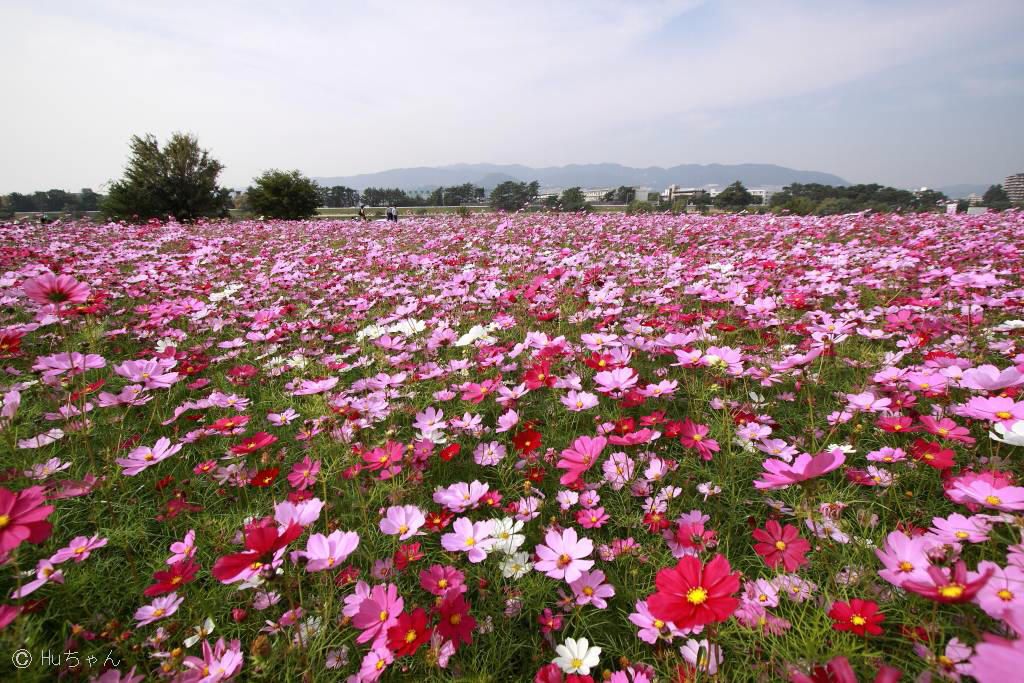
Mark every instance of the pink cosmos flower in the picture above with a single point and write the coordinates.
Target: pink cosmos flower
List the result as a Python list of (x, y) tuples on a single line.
[(1004, 411), (581, 457), (1004, 592), (403, 520), (308, 387), (283, 418), (867, 402), (780, 474), (45, 573), (73, 363), (440, 579), (1006, 498), (461, 496), (693, 435), (161, 608), (303, 474), (184, 549), (615, 382), (79, 549), (55, 289), (578, 401), (218, 663), (149, 373), (378, 612), (562, 555), (23, 518), (327, 552), (143, 457), (590, 589), (472, 538), (593, 518), (991, 378)]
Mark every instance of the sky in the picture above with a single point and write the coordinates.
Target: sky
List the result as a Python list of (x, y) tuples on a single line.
[(907, 93)]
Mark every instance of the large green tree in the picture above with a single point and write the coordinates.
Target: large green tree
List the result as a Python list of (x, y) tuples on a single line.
[(573, 199), (178, 179), (735, 196), (995, 197), (338, 196), (284, 194), (512, 196)]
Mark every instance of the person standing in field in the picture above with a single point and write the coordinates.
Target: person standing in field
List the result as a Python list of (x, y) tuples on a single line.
[(362, 212)]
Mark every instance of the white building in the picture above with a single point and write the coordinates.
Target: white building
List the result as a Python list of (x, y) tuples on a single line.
[(1014, 187)]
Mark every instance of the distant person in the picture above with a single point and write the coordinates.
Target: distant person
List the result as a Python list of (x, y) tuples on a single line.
[(362, 212), (392, 214)]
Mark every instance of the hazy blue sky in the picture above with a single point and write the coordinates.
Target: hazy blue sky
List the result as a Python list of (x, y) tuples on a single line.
[(906, 93)]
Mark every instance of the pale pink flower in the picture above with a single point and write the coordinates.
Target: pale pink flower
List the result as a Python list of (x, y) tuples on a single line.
[(403, 520), (562, 555)]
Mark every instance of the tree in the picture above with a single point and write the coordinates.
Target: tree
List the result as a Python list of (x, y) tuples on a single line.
[(338, 196), (512, 196), (624, 195), (735, 196), (995, 197), (573, 199), (457, 195), (930, 200), (284, 194), (88, 200), (389, 196), (179, 180)]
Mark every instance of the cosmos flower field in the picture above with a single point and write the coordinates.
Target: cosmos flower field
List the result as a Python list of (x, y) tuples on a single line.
[(502, 448)]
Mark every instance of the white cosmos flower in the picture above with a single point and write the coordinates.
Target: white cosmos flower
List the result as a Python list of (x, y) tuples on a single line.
[(516, 566), (1013, 436), (505, 531), (577, 656)]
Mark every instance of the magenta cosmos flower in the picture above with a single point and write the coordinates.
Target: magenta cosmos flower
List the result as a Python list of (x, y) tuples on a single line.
[(581, 457), (161, 608), (55, 289), (562, 556), (23, 518), (377, 613)]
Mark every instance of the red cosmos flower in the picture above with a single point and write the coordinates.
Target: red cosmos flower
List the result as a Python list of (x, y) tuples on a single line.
[(88, 389), (656, 522), (693, 435), (550, 673), (932, 454), (599, 362), (168, 580), (943, 588), (895, 424), (673, 428), (411, 631), (527, 441), (226, 424), (251, 444), (379, 458), (694, 535), (10, 343), (449, 451), (781, 544), (261, 543), (538, 376), (406, 554), (265, 478), (857, 616), (23, 518), (693, 594), (436, 521), (455, 623)]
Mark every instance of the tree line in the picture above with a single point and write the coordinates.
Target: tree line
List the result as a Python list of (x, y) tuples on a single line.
[(180, 179)]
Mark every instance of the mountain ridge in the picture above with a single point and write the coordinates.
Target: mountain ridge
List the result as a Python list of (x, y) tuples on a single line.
[(584, 175)]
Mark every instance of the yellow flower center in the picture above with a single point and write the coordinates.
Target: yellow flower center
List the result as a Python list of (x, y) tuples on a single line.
[(1005, 595), (952, 590), (4, 520), (858, 620), (587, 590), (780, 545), (696, 596), (410, 635), (906, 566), (379, 664), (402, 529), (455, 619), (1004, 415), (159, 612), (993, 500), (470, 542), (383, 615), (443, 583), (577, 662), (961, 534)]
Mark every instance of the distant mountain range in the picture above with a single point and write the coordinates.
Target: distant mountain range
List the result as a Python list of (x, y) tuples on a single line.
[(584, 175)]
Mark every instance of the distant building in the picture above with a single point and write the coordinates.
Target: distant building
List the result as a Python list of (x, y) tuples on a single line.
[(1014, 186), (976, 210), (974, 199), (674, 192), (596, 194)]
